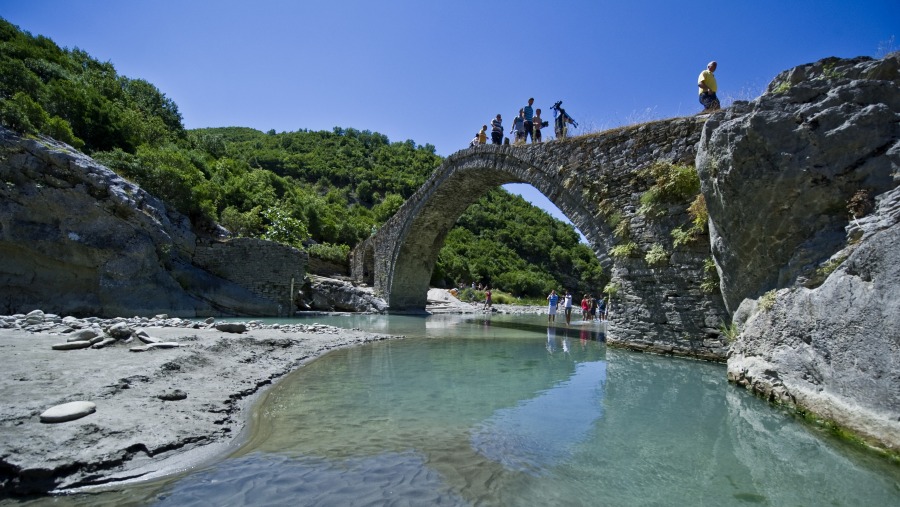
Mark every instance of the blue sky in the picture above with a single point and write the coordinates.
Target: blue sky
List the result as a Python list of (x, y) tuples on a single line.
[(434, 72)]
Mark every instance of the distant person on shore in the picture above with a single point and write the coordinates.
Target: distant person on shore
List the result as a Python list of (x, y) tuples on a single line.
[(585, 307), (601, 309), (593, 307), (497, 130), (568, 306), (529, 126), (487, 299), (518, 128), (537, 126), (553, 302), (708, 88), (482, 135)]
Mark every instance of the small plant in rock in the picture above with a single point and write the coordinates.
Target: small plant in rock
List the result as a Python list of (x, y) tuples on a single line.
[(767, 300), (611, 289), (656, 255), (782, 87), (710, 282), (861, 204), (673, 184), (699, 220), (729, 331), (826, 269), (624, 250), (622, 230)]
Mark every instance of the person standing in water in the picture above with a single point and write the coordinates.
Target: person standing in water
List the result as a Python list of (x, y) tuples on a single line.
[(553, 301), (568, 307)]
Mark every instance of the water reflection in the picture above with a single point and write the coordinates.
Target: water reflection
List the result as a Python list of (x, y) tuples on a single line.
[(542, 432)]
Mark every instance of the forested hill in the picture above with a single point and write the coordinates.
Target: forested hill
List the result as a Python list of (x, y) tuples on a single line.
[(319, 190)]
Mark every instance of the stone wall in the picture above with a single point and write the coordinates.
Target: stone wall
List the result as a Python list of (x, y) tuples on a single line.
[(269, 270)]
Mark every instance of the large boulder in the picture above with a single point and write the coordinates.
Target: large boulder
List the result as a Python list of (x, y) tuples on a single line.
[(834, 350), (810, 272), (331, 294), (779, 173), (77, 239)]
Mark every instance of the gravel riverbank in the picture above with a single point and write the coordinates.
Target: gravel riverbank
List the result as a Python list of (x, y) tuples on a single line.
[(168, 394), (160, 395)]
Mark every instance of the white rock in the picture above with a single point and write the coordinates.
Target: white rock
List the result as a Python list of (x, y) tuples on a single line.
[(81, 344), (68, 411)]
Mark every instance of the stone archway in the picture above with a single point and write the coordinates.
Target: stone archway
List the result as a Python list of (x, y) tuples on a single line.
[(590, 179)]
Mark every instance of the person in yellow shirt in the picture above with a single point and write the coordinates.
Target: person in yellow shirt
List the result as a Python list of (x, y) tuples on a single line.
[(482, 135), (708, 88)]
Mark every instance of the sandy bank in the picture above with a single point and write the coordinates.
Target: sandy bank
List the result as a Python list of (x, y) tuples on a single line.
[(157, 412)]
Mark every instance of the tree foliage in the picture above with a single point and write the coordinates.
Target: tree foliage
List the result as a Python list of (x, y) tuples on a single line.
[(72, 97), (321, 190)]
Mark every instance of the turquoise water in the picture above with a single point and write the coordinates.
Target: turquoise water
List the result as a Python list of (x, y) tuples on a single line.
[(504, 411)]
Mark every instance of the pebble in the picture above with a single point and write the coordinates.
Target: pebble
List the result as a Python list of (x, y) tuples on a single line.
[(68, 411)]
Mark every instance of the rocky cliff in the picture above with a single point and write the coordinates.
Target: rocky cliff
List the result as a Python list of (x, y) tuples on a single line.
[(791, 181), (76, 239)]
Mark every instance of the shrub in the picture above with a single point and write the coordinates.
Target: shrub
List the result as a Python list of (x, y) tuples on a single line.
[(611, 289), (622, 230), (246, 224), (330, 252), (656, 255), (672, 184), (767, 300), (710, 282), (623, 250)]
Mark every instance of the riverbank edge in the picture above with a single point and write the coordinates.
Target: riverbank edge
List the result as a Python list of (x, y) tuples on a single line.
[(159, 411)]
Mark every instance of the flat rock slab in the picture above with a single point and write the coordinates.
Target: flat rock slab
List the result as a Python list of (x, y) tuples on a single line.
[(71, 345), (68, 411)]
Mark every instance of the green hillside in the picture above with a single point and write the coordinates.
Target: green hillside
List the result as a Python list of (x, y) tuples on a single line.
[(320, 190)]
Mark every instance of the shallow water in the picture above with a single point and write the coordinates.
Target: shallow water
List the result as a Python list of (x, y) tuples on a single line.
[(505, 411)]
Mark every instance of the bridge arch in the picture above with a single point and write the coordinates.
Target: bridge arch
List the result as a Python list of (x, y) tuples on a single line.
[(590, 179), (454, 186)]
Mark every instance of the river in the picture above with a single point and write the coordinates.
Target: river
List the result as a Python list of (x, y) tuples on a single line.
[(505, 410)]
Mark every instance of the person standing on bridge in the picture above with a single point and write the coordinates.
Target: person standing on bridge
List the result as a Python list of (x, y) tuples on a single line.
[(497, 130), (529, 126), (482, 135), (518, 128), (553, 301), (537, 126), (708, 88)]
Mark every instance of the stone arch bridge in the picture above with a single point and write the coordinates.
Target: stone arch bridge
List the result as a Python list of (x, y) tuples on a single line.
[(594, 181)]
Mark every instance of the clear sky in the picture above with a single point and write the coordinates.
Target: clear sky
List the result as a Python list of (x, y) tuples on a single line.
[(435, 71)]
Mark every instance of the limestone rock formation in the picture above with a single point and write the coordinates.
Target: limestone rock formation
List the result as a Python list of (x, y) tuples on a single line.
[(778, 173), (834, 350), (77, 239), (789, 180), (329, 294)]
